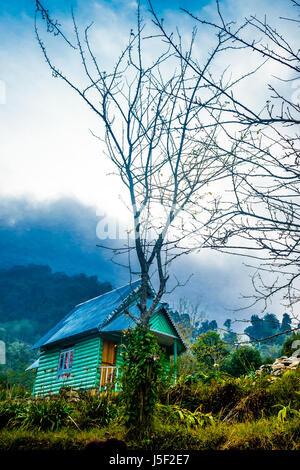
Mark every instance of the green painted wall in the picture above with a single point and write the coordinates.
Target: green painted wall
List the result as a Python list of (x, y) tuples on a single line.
[(99, 359), (87, 361), (87, 354), (160, 323)]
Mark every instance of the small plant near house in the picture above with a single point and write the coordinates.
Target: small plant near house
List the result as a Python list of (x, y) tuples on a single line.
[(9, 410), (96, 410), (11, 392), (35, 414), (174, 414), (46, 414)]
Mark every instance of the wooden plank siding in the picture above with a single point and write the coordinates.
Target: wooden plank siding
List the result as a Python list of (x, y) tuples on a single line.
[(87, 354), (119, 360), (160, 323), (87, 359), (99, 360)]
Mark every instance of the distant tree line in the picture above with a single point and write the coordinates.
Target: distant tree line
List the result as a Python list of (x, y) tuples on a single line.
[(268, 328), (221, 350)]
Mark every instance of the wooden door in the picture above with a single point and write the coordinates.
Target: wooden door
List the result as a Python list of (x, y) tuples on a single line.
[(109, 358)]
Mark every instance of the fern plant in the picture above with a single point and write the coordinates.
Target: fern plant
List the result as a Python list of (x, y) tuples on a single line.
[(286, 412)]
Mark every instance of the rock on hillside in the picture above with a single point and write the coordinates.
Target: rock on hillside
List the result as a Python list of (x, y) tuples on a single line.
[(282, 364)]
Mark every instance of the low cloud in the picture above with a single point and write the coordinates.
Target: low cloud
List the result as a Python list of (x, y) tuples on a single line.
[(62, 234)]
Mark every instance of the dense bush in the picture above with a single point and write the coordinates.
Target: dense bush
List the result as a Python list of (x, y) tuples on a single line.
[(10, 391), (239, 398), (96, 411), (214, 393), (286, 390), (55, 412), (35, 414), (242, 361)]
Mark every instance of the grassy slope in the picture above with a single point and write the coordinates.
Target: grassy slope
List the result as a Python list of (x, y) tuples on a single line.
[(259, 435)]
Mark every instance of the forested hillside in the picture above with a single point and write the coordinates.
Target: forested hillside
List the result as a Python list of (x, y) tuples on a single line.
[(32, 300)]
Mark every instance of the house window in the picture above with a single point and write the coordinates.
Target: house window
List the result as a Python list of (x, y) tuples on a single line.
[(65, 363)]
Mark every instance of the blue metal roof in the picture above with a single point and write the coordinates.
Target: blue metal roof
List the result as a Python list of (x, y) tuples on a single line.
[(122, 321), (93, 315)]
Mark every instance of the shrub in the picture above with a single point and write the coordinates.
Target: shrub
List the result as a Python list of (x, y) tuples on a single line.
[(35, 414), (242, 361), (175, 415), (96, 410), (250, 407), (11, 392), (285, 389), (209, 350), (9, 410), (219, 393)]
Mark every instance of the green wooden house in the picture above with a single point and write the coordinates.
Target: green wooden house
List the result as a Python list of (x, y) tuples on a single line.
[(83, 349)]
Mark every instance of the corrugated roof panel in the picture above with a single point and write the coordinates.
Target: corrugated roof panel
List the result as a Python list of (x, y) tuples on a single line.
[(123, 321), (88, 316)]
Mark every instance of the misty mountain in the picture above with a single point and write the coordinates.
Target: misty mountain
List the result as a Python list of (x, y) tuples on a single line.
[(61, 234)]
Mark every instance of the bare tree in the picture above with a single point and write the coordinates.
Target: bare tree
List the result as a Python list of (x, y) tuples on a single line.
[(162, 141), (265, 174)]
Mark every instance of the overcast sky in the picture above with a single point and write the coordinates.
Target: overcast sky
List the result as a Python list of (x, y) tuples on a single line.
[(46, 148)]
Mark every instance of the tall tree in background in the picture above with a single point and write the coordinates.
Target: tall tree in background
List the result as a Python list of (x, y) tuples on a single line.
[(162, 141), (267, 329), (286, 323), (229, 336), (267, 194), (210, 350)]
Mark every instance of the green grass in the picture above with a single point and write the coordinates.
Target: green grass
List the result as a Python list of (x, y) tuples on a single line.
[(263, 434)]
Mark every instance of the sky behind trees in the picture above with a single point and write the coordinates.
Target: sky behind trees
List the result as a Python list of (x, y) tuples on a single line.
[(46, 145), (46, 149)]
